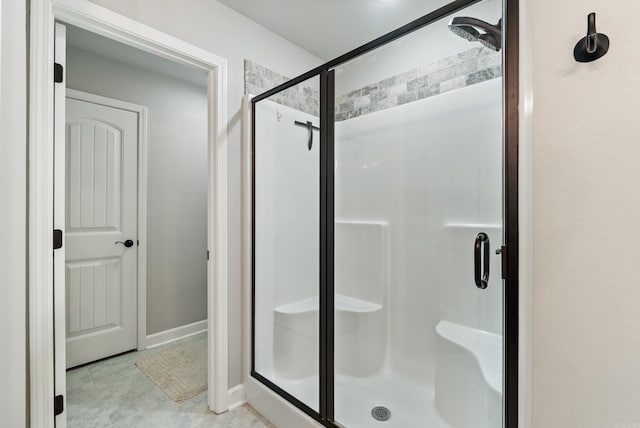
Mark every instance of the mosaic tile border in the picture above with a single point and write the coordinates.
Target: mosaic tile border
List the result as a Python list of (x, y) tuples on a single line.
[(447, 74), (457, 71), (258, 79)]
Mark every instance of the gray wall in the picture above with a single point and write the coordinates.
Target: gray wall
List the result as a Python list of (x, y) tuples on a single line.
[(13, 213), (177, 181)]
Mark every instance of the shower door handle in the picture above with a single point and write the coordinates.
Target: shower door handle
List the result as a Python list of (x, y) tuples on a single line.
[(480, 266)]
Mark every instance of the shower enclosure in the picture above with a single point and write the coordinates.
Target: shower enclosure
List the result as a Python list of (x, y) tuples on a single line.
[(384, 229)]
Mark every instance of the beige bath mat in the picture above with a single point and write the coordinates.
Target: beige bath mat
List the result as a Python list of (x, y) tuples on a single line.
[(181, 371)]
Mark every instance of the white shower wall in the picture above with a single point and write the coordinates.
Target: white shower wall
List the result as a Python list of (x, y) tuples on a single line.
[(414, 185), (432, 171)]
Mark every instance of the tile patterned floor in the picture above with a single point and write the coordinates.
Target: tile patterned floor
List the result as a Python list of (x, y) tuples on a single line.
[(114, 393)]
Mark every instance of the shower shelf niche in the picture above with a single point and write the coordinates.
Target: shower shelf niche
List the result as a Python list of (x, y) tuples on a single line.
[(342, 303)]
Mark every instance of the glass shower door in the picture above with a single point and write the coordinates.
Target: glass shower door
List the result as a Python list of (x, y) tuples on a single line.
[(286, 208), (418, 301)]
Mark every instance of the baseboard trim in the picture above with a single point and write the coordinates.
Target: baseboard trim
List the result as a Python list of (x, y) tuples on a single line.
[(236, 397), (171, 335)]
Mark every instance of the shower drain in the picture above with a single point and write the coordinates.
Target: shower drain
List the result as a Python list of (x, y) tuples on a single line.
[(381, 413)]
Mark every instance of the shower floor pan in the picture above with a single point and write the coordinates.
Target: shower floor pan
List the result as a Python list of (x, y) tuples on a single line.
[(411, 403), (466, 393)]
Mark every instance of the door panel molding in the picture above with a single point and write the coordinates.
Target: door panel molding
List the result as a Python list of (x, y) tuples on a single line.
[(108, 174), (103, 316)]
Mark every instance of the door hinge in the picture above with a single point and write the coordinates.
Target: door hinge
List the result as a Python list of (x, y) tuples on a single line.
[(58, 405), (502, 252), (207, 254), (58, 72), (57, 239)]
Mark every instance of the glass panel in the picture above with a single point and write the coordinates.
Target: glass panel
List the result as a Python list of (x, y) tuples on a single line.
[(418, 176), (286, 240)]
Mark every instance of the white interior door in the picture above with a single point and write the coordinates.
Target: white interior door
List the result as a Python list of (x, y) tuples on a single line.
[(101, 229)]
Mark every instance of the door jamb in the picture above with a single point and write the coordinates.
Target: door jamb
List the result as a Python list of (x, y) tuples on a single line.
[(105, 22), (141, 278)]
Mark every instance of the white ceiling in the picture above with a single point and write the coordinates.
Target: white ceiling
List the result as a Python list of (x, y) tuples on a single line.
[(102, 46), (329, 28)]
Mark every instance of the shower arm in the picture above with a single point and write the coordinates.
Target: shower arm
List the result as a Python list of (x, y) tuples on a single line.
[(310, 127)]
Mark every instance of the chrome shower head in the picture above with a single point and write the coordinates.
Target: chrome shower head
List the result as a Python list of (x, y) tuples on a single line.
[(467, 28)]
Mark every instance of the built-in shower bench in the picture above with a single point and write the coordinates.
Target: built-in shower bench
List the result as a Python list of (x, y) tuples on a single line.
[(359, 336), (469, 370), (484, 346)]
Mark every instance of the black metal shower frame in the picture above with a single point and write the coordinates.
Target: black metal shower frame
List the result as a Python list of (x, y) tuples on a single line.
[(511, 217)]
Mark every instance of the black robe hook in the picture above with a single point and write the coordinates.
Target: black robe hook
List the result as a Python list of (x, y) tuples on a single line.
[(310, 128), (594, 45)]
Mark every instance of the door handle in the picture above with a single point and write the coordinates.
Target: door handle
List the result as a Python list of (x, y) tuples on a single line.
[(128, 243), (481, 270)]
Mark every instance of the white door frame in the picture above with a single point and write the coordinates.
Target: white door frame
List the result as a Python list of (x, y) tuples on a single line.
[(97, 19), (141, 204)]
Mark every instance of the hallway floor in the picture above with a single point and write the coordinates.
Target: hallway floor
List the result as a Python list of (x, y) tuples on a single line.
[(115, 393)]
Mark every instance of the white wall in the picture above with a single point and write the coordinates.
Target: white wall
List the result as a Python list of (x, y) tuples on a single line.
[(13, 214), (216, 28), (177, 181), (586, 293)]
